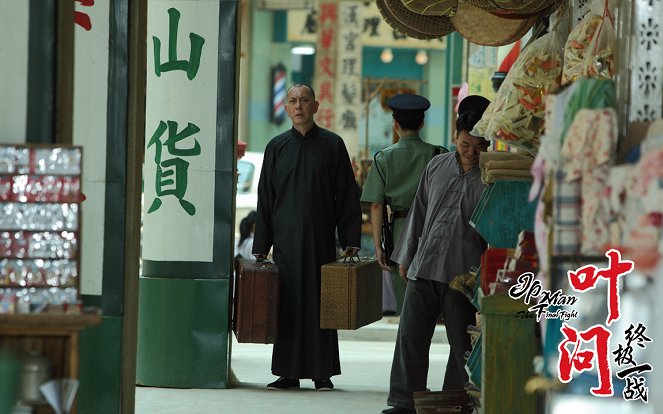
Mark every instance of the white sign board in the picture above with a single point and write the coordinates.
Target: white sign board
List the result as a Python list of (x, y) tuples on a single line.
[(180, 130)]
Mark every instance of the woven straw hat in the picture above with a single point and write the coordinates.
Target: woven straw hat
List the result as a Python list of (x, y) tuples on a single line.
[(412, 24), (519, 6), (487, 29), (432, 7)]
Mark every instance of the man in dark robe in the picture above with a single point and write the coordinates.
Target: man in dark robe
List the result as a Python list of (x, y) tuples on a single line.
[(306, 192)]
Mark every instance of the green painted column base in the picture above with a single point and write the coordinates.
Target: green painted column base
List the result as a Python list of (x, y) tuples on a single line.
[(183, 333), (100, 373), (9, 374)]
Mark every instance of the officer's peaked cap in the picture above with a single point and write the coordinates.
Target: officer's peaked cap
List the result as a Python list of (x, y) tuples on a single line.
[(408, 107)]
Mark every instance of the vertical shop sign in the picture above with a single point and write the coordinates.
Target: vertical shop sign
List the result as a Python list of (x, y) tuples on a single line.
[(83, 18), (180, 131), (325, 64), (91, 95), (304, 26), (348, 67)]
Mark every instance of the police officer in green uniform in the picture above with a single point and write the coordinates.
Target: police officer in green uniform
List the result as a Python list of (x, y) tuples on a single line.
[(394, 176)]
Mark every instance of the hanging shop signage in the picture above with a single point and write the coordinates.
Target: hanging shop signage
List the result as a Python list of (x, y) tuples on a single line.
[(180, 138), (14, 41), (303, 26), (348, 67), (92, 31), (325, 63)]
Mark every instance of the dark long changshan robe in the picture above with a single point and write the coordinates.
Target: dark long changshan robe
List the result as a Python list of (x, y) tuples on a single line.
[(307, 190)]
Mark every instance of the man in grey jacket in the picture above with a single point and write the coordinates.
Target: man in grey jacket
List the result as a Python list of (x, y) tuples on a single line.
[(436, 245)]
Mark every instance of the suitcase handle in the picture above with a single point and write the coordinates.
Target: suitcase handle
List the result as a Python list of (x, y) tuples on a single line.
[(351, 259)]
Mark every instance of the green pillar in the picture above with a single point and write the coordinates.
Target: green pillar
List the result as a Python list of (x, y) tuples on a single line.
[(183, 312)]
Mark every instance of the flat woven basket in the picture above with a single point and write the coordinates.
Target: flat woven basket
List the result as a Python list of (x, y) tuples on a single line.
[(520, 6), (432, 7), (412, 24), (492, 30)]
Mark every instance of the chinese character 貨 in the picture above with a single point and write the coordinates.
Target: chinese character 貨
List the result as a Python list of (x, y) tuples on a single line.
[(172, 174)]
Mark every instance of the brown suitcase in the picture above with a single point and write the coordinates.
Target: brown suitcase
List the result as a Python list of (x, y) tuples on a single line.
[(350, 293), (256, 313)]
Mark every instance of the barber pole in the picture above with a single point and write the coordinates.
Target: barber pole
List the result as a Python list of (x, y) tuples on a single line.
[(278, 94)]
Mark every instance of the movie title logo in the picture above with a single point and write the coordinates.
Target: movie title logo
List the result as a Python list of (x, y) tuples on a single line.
[(529, 290)]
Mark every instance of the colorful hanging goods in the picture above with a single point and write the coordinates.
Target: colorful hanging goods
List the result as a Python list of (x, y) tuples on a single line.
[(589, 50), (518, 108)]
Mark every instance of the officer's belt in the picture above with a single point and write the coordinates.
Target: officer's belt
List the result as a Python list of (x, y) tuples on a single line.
[(400, 213)]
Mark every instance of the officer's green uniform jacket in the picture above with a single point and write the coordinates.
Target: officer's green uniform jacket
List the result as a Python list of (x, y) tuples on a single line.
[(401, 166)]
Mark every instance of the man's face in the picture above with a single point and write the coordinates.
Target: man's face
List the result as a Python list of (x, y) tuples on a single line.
[(469, 148), (301, 106)]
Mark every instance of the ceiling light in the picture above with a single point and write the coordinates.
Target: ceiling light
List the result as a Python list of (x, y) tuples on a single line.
[(303, 50), (386, 56), (421, 57)]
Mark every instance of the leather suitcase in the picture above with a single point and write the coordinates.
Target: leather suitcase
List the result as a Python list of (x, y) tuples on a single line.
[(256, 313), (350, 293)]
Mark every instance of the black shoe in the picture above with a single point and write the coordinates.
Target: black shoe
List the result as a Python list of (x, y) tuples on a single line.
[(398, 410), (283, 383), (323, 385)]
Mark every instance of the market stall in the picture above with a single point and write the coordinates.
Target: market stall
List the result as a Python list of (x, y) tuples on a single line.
[(572, 212), (41, 313)]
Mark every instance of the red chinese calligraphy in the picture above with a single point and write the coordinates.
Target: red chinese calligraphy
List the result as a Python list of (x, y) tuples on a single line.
[(81, 18), (327, 37), (586, 277), (327, 66), (326, 92), (326, 117), (328, 12), (582, 360)]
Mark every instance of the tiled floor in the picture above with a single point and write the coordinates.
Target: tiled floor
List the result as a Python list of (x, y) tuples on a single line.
[(362, 388)]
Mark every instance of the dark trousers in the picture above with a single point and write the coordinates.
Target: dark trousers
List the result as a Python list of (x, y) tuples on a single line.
[(424, 301)]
